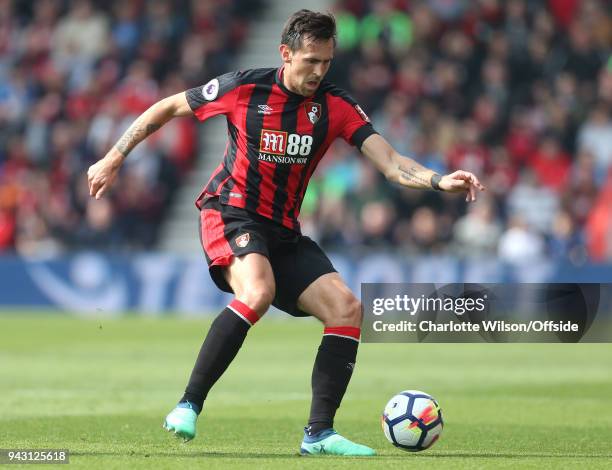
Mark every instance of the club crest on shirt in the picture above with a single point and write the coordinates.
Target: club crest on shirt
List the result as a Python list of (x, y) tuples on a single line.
[(313, 111), (243, 240)]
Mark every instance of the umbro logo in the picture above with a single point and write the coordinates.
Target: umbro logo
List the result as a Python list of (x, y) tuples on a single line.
[(264, 109)]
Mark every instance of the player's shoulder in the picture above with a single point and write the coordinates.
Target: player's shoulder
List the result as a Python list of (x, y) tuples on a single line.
[(259, 75), (245, 77), (332, 89), (223, 84), (344, 98)]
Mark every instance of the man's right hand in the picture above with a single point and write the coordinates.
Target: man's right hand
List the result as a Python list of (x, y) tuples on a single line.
[(102, 174)]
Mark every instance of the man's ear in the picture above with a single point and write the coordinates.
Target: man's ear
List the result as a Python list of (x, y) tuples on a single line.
[(285, 52)]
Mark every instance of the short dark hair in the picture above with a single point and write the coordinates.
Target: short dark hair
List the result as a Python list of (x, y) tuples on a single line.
[(306, 24)]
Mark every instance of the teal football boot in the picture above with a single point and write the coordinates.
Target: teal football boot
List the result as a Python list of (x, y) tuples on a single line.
[(329, 442), (182, 420)]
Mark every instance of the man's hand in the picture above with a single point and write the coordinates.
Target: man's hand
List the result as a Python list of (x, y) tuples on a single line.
[(102, 174), (460, 181)]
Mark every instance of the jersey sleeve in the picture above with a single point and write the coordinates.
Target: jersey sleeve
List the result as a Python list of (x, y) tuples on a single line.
[(218, 96), (357, 126)]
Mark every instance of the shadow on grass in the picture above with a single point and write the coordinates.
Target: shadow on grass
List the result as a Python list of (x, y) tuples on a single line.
[(507, 455), (190, 455), (278, 455)]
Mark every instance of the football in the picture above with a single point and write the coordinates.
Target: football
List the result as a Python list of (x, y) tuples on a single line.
[(412, 420)]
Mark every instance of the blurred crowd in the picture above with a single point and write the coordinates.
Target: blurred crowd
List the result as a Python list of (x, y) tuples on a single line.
[(519, 92), (73, 75)]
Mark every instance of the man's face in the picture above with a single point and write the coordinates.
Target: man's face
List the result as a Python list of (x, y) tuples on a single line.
[(306, 67)]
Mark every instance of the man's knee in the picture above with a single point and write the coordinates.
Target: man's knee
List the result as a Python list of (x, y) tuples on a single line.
[(347, 311), (258, 297)]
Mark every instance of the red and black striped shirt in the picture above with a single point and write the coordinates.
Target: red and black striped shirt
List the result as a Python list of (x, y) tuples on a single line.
[(276, 139)]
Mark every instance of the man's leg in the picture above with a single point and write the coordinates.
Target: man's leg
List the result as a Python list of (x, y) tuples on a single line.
[(331, 301), (251, 279)]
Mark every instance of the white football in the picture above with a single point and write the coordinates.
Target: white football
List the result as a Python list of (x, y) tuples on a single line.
[(412, 420)]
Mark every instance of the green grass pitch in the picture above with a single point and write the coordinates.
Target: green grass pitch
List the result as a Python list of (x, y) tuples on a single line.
[(102, 387)]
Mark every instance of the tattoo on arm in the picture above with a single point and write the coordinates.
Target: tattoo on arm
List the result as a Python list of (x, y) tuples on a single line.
[(136, 133), (413, 175), (152, 128)]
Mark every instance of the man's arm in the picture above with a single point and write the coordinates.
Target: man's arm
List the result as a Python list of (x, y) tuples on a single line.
[(102, 174), (407, 172)]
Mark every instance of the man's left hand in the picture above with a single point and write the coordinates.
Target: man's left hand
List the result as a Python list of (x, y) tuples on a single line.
[(460, 181)]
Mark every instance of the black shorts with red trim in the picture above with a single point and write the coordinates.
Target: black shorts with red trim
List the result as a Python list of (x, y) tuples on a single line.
[(297, 261)]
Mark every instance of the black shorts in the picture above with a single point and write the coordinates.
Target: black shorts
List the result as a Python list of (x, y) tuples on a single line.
[(297, 261)]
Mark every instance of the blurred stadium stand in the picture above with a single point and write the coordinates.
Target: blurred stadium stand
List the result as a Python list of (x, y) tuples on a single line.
[(519, 92), (73, 76)]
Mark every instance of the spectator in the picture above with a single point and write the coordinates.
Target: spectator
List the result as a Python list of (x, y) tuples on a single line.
[(567, 241), (393, 122), (425, 233), (127, 30), (550, 164), (598, 226), (388, 24), (582, 58), (581, 192), (421, 149), (520, 245), (595, 136), (503, 174), (478, 232), (535, 204), (97, 231), (348, 26), (468, 152), (376, 222), (79, 40), (520, 138)]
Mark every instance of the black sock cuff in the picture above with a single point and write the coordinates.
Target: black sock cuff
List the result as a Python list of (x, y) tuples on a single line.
[(340, 346), (228, 321)]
